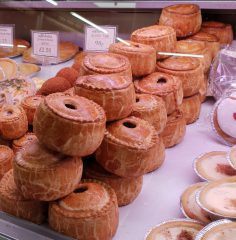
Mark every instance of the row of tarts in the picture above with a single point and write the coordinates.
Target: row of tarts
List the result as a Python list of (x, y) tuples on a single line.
[(100, 114)]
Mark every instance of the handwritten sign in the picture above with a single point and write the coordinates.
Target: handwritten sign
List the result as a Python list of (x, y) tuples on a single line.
[(6, 35), (45, 43), (97, 40)]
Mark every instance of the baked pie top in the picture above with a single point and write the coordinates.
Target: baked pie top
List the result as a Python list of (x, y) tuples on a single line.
[(9, 68), (32, 101), (28, 137), (213, 24), (190, 46), (5, 153), (179, 63), (75, 108), (183, 9), (10, 113), (203, 36)]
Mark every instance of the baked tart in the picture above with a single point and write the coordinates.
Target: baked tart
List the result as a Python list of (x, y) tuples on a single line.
[(175, 129), (161, 38), (12, 202), (19, 143), (213, 166), (28, 69), (42, 174), (106, 63), (186, 19), (6, 158), (114, 93), (30, 104), (13, 122), (221, 30), (90, 212), (9, 68), (163, 85), (129, 147), (188, 70), (191, 107), (126, 189), (189, 205), (152, 109), (142, 57), (71, 125)]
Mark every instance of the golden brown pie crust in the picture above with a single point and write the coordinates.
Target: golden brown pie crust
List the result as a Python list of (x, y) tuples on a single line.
[(203, 88), (71, 125), (13, 122), (186, 69), (114, 93), (129, 147), (9, 67), (6, 158), (161, 38), (42, 174), (90, 212), (175, 129), (142, 57), (163, 85), (28, 69), (12, 202)]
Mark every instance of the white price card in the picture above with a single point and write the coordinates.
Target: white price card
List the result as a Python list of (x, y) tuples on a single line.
[(99, 39), (45, 43), (6, 35)]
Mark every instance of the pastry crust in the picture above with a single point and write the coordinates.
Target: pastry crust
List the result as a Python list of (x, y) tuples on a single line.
[(175, 129), (28, 69), (13, 122), (163, 85), (203, 88), (221, 30), (114, 93), (186, 69), (186, 19), (30, 105), (21, 142), (42, 174), (90, 212), (161, 38), (69, 73), (152, 109), (106, 63), (71, 125), (191, 107), (12, 202), (126, 189), (9, 68), (142, 57), (129, 147), (6, 158)]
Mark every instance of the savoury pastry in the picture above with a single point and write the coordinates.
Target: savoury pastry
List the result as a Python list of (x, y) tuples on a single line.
[(21, 142), (6, 158), (203, 88), (9, 68), (71, 125), (114, 93), (69, 73), (28, 69)]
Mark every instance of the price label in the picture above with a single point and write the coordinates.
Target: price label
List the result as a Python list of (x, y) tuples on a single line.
[(99, 39), (45, 43), (6, 35)]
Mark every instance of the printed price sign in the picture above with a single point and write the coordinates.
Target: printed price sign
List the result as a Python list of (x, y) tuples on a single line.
[(45, 43), (6, 35), (99, 39)]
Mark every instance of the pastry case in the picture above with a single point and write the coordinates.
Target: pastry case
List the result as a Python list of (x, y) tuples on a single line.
[(115, 143)]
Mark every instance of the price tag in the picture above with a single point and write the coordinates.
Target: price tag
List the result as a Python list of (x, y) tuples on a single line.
[(97, 40), (45, 43), (6, 35)]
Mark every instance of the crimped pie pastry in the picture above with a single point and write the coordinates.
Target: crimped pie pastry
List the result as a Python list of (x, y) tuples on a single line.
[(126, 189), (28, 69), (129, 147), (71, 125), (162, 38), (191, 107), (9, 67), (89, 213), (213, 166), (221, 30), (190, 46), (70, 91), (114, 93), (6, 158), (12, 202), (106, 63), (212, 41), (152, 109), (13, 122), (186, 19), (163, 85), (142, 57), (42, 174), (79, 58), (188, 70), (21, 142), (190, 206), (178, 229), (175, 129), (30, 105)]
